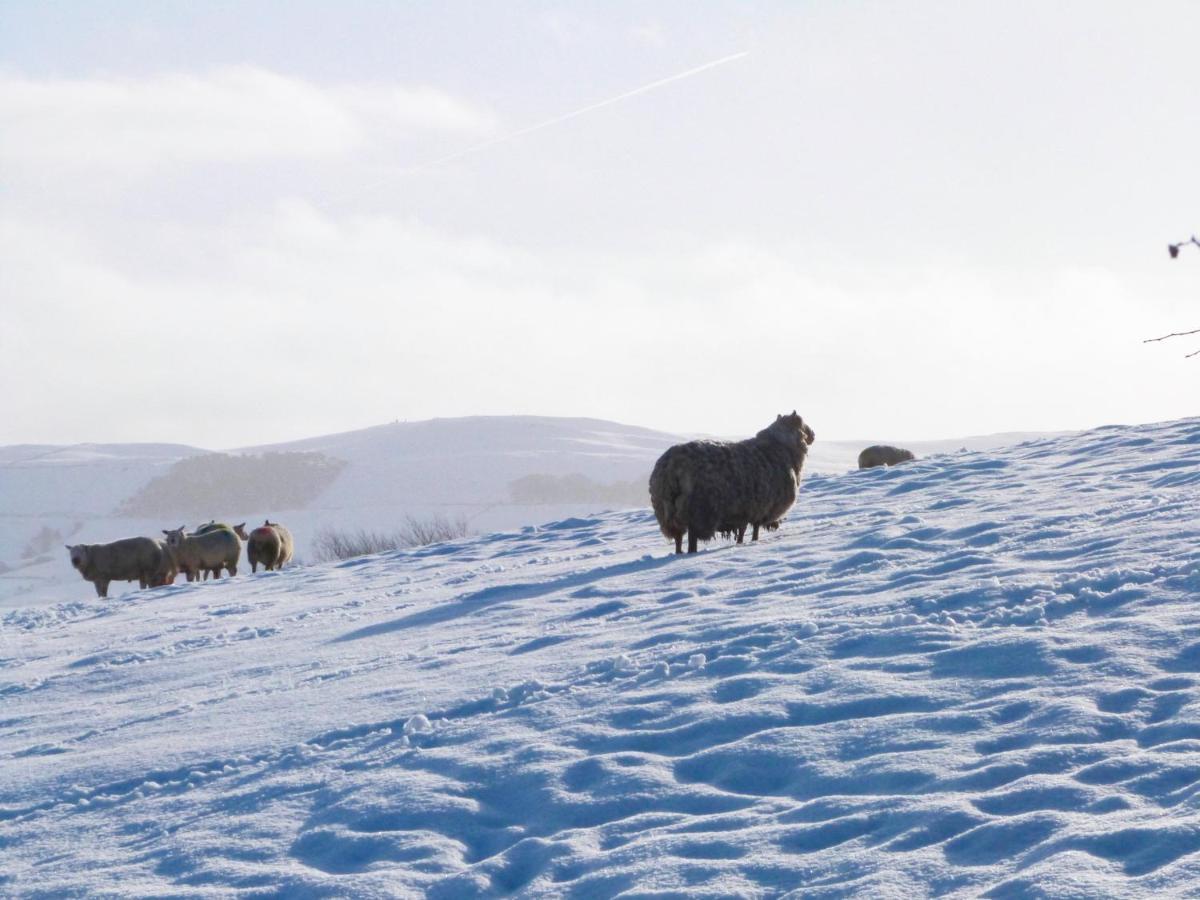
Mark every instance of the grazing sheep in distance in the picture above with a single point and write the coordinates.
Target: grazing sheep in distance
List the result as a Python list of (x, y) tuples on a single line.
[(168, 569), (706, 487), (213, 525), (211, 551), (145, 560), (883, 455), (270, 544)]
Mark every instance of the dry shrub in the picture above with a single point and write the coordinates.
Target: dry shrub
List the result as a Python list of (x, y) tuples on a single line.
[(332, 543)]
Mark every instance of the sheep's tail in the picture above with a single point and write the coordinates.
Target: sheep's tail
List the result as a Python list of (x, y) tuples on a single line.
[(666, 494)]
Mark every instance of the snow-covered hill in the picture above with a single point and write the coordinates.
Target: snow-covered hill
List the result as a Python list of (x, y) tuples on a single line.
[(443, 467), (974, 675)]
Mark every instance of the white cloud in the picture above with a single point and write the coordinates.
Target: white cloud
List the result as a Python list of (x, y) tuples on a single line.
[(301, 322), (231, 115)]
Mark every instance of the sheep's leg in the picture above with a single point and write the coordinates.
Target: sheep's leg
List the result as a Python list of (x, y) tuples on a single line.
[(101, 588), (741, 533), (755, 536), (691, 541), (679, 543)]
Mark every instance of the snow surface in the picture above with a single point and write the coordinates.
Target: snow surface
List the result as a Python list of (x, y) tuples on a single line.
[(974, 675)]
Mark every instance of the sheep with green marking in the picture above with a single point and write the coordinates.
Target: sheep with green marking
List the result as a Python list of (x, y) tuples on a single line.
[(214, 525), (211, 551)]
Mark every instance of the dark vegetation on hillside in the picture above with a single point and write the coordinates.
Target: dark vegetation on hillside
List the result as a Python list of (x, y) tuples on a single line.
[(224, 482), (577, 488)]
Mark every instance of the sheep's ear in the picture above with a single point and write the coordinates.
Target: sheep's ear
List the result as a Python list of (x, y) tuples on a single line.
[(165, 531), (778, 416)]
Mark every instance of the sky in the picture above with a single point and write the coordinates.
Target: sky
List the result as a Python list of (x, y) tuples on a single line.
[(226, 224)]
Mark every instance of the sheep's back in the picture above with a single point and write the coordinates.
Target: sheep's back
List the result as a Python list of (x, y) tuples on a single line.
[(710, 486), (211, 547), (128, 559), (265, 545)]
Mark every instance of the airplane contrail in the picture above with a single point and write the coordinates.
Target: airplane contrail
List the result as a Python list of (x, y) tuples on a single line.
[(538, 126)]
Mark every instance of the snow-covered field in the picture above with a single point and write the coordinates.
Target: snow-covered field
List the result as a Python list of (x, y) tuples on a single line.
[(977, 674)]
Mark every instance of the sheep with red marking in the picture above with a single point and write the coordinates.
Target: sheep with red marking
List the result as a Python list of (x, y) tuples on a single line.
[(270, 544)]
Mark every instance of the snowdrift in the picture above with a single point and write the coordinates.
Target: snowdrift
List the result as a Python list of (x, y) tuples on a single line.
[(975, 675)]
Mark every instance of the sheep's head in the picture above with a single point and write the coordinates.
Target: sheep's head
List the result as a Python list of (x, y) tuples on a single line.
[(240, 531), (79, 555), (174, 537), (793, 429)]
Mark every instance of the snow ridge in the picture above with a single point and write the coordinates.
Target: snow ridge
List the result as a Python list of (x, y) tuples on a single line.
[(973, 675)]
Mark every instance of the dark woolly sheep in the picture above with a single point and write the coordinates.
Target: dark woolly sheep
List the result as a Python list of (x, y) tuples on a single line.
[(270, 544), (703, 488), (883, 455), (144, 560)]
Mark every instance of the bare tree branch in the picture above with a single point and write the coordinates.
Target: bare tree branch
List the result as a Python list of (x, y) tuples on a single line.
[(1171, 335), (1174, 249)]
